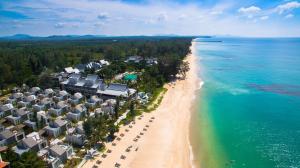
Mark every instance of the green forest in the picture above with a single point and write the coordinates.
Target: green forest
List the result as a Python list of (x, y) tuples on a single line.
[(24, 61)]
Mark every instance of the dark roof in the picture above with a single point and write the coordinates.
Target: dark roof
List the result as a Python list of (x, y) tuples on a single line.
[(81, 66), (6, 134), (76, 76), (92, 77), (6, 107), (30, 142), (58, 150), (22, 111), (60, 122), (117, 87)]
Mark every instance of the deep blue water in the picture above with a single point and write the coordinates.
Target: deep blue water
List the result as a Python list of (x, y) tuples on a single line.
[(250, 102)]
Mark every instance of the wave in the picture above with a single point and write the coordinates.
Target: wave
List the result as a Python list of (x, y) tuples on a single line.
[(231, 89), (238, 91), (191, 156), (201, 83)]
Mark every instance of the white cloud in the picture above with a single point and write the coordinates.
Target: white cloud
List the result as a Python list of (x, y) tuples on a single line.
[(99, 24), (162, 17), (264, 18), (59, 25), (103, 16), (287, 7), (182, 17), (249, 11), (289, 16), (216, 12), (155, 17)]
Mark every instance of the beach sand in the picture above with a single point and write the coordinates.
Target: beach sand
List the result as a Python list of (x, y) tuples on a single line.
[(165, 143)]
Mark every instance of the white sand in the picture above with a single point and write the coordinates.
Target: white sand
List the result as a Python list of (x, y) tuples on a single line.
[(165, 144)]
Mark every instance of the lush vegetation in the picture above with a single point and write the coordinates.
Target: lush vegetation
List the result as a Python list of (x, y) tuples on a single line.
[(32, 62), (28, 61), (26, 160)]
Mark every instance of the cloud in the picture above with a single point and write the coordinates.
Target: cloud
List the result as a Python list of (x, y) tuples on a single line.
[(99, 24), (249, 11), (216, 12), (289, 16), (162, 17), (103, 16), (115, 17), (264, 18), (182, 17), (59, 25), (287, 7)]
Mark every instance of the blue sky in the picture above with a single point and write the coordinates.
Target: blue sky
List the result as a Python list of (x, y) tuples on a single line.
[(263, 18)]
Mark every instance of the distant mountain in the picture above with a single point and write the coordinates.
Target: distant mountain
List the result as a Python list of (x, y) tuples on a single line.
[(17, 37), (24, 37)]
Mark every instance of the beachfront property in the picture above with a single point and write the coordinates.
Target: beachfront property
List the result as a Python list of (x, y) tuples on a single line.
[(62, 152), (76, 136), (138, 59), (61, 95), (8, 136), (77, 113), (85, 85), (53, 117), (93, 85), (18, 116), (95, 65), (114, 90), (56, 127), (6, 109), (33, 142)]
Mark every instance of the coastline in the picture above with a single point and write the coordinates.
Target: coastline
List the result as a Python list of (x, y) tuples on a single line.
[(166, 142)]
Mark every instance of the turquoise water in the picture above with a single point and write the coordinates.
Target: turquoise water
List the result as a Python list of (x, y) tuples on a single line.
[(249, 106)]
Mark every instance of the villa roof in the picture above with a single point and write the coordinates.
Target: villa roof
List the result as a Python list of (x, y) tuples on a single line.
[(80, 107), (78, 95), (58, 150), (30, 142), (17, 95), (49, 91), (22, 111), (30, 98), (35, 89), (6, 107), (63, 93), (6, 134), (60, 122), (117, 87), (61, 104)]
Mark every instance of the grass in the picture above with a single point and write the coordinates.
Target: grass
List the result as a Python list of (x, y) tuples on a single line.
[(72, 162), (154, 101)]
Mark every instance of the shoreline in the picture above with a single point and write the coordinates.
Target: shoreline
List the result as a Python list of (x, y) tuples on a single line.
[(165, 142)]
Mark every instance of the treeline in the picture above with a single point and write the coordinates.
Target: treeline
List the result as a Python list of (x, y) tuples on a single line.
[(24, 61)]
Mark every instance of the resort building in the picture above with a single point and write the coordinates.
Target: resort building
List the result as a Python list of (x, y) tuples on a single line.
[(32, 142), (85, 85), (114, 90), (62, 152), (56, 128)]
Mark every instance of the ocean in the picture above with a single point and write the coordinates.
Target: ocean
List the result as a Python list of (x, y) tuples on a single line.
[(248, 110)]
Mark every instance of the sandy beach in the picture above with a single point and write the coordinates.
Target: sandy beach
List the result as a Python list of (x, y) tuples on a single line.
[(163, 140)]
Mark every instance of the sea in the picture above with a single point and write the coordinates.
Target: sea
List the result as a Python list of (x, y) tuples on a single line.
[(248, 109)]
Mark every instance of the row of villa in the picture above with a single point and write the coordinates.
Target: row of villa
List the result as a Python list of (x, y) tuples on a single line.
[(55, 116), (50, 122)]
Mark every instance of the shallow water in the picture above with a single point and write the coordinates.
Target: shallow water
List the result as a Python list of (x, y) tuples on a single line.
[(248, 110)]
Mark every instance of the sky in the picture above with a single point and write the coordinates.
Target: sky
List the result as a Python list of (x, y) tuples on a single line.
[(249, 18)]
